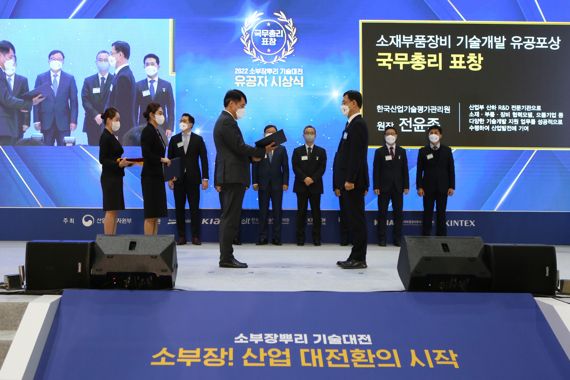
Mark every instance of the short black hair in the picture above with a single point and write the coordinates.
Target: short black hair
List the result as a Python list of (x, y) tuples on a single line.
[(390, 127), (435, 127), (6, 46), (151, 55), (234, 95), (151, 108), (354, 95), (54, 52), (101, 52), (122, 47), (190, 117), (109, 113), (269, 126), (309, 126)]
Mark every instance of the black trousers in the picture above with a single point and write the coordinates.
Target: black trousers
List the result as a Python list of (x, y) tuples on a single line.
[(440, 201), (185, 190), (232, 200), (276, 197), (55, 135), (356, 219), (384, 199), (238, 234), (7, 140), (343, 220), (303, 200)]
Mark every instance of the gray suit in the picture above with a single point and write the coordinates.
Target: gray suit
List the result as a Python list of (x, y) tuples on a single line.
[(233, 175)]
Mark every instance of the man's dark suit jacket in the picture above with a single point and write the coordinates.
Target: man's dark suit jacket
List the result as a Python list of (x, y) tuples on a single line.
[(189, 160), (163, 96), (274, 173), (122, 97), (350, 164), (94, 101), (390, 173), (435, 169), (313, 166), (61, 108)]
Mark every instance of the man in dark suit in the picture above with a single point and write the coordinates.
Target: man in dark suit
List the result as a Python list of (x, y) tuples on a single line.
[(271, 179), (232, 171), (309, 165), (190, 148), (56, 117), (123, 88), (391, 182), (435, 180), (351, 167), (94, 95), (10, 105), (19, 86), (155, 89)]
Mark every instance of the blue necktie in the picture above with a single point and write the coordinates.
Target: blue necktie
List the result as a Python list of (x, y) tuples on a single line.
[(151, 88), (54, 84)]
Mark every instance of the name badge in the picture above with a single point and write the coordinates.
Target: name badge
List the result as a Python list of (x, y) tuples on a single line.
[(317, 158), (146, 93), (111, 88), (388, 158), (429, 156), (304, 158), (345, 136), (180, 144), (96, 90)]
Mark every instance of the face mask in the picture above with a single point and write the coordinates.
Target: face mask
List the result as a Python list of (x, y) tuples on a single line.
[(240, 114), (183, 126), (112, 61), (390, 139), (268, 134), (116, 126), (55, 65), (151, 70), (103, 66), (10, 66), (434, 138), (344, 109), (159, 119), (309, 138)]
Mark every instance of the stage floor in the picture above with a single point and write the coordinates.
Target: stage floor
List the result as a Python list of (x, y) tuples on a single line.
[(273, 268)]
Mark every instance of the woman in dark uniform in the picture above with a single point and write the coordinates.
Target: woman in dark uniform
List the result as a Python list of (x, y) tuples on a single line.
[(153, 149), (110, 152)]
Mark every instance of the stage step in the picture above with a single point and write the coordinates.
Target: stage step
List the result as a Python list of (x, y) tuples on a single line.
[(12, 309)]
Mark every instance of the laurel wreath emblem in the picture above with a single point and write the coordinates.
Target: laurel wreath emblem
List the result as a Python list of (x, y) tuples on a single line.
[(287, 50)]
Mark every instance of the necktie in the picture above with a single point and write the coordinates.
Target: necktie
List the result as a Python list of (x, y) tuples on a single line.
[(54, 84), (270, 156), (10, 82), (392, 152), (102, 82), (310, 150), (151, 88), (186, 142)]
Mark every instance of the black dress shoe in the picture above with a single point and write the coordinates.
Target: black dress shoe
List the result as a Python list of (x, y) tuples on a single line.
[(237, 241), (261, 242), (353, 264), (181, 241), (196, 241), (344, 243), (316, 242), (276, 242), (232, 264), (396, 243), (300, 243), (382, 243), (341, 263)]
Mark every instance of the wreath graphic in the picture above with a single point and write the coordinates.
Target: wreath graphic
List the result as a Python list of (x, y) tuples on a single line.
[(287, 50)]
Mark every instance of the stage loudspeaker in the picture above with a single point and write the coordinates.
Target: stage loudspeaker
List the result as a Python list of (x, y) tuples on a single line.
[(443, 264), (56, 265), (134, 262), (523, 268)]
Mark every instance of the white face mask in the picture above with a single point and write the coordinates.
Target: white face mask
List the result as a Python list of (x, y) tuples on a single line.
[(151, 70), (103, 66), (434, 138), (268, 134), (116, 126), (55, 65), (159, 119), (344, 109), (309, 138), (390, 139), (10, 66), (240, 114), (112, 61), (183, 126)]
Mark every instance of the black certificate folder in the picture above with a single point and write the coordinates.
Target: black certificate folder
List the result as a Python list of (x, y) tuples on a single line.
[(174, 170), (43, 89), (278, 138)]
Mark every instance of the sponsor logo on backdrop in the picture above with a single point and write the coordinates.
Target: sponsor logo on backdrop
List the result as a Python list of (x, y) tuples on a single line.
[(269, 40), (88, 220)]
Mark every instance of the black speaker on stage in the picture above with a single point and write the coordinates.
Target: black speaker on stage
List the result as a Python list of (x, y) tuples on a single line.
[(443, 264), (134, 262), (523, 268), (56, 265)]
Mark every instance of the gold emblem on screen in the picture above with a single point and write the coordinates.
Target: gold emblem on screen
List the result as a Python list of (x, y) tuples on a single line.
[(268, 40)]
